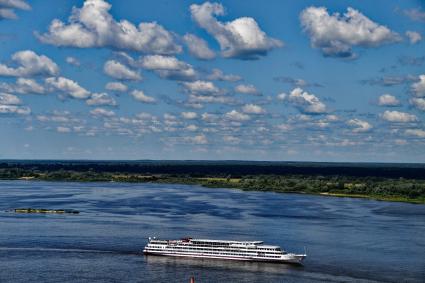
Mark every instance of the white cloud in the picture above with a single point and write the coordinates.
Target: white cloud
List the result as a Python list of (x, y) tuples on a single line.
[(29, 64), (231, 139), (419, 103), (194, 99), (139, 95), (116, 86), (100, 112), (247, 89), (359, 125), (67, 87), (336, 34), (97, 99), (237, 116), (189, 115), (23, 86), (198, 47), (415, 14), (93, 26), (240, 38), (284, 127), (253, 109), (281, 96), (62, 129), (306, 102), (73, 61), (218, 75), (200, 139), (14, 109), (191, 128), (398, 117), (7, 8), (201, 88), (415, 132), (168, 67), (413, 36), (120, 71), (419, 87), (29, 86), (9, 99), (388, 100)]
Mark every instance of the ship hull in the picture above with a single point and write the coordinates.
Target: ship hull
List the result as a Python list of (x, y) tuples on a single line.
[(296, 259)]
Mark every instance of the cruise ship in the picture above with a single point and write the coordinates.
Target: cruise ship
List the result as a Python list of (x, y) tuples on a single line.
[(221, 249)]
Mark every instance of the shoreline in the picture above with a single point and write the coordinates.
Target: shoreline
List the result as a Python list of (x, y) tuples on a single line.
[(230, 185)]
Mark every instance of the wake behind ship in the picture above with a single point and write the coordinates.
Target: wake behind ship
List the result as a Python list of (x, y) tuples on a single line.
[(221, 249)]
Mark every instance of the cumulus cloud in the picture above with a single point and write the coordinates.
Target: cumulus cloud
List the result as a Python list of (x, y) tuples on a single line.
[(419, 103), (247, 89), (9, 99), (61, 129), (218, 75), (415, 14), (116, 86), (28, 64), (359, 126), (281, 96), (418, 88), (67, 87), (189, 115), (253, 109), (415, 132), (335, 35), (93, 26), (296, 82), (73, 61), (241, 38), (305, 102), (198, 47), (7, 8), (14, 109), (120, 71), (199, 139), (98, 99), (168, 67), (139, 95), (388, 100), (398, 117), (201, 88), (10, 105), (390, 80), (100, 112), (237, 116), (413, 36), (23, 86), (29, 86)]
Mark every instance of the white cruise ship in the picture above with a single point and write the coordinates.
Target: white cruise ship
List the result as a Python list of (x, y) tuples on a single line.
[(221, 249)]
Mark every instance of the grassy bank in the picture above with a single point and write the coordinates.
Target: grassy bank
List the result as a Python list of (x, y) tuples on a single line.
[(378, 188)]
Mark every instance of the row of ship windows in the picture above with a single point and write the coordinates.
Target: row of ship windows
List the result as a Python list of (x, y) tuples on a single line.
[(238, 254), (216, 252), (214, 249), (221, 245)]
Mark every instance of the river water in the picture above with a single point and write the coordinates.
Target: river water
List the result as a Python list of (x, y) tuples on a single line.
[(347, 240)]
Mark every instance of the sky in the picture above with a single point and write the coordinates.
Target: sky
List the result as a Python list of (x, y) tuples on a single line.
[(231, 80)]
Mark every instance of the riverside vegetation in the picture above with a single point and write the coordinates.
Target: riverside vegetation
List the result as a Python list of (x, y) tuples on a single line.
[(399, 183)]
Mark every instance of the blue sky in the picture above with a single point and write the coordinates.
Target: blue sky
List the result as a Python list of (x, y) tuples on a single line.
[(285, 80)]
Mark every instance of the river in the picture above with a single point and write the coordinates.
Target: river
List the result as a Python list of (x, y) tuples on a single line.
[(346, 239)]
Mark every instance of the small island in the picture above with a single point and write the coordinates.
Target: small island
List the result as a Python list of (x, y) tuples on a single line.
[(43, 210)]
